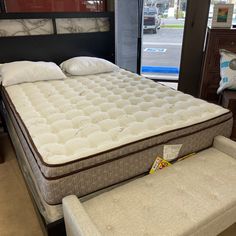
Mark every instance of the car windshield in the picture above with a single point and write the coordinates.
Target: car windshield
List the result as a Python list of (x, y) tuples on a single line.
[(150, 11)]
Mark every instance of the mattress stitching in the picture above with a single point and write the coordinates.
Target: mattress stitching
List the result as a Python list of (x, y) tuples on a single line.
[(112, 185), (130, 153), (104, 162), (91, 156)]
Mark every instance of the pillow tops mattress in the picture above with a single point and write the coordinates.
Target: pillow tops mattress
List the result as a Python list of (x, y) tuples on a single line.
[(97, 122)]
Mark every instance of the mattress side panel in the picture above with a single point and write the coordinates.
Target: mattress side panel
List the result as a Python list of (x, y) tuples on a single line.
[(102, 113), (53, 172), (122, 152), (110, 173), (103, 175)]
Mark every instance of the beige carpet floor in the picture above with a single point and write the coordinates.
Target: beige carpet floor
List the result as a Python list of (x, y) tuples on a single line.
[(17, 214)]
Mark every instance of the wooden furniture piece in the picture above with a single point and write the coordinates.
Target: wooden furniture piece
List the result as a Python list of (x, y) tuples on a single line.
[(1, 150), (229, 102), (216, 39), (2, 129), (58, 47)]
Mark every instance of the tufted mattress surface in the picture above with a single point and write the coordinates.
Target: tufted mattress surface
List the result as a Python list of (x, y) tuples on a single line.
[(85, 133), (74, 118)]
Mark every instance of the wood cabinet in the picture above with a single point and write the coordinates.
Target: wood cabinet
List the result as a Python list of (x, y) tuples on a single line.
[(1, 145), (1, 151), (229, 102), (216, 39), (2, 132)]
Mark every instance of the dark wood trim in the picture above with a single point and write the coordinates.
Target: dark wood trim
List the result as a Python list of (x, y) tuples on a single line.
[(140, 33), (192, 49), (50, 15), (106, 5), (56, 228), (57, 48), (2, 6), (139, 55), (54, 25), (164, 80), (228, 100), (3, 123)]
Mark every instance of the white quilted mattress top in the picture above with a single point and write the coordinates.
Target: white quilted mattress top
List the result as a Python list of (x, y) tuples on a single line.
[(84, 115)]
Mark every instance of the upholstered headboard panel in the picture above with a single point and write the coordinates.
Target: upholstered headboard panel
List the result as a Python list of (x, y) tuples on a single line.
[(60, 45)]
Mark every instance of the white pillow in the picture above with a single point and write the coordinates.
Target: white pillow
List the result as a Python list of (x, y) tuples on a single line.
[(227, 70), (28, 71), (87, 66)]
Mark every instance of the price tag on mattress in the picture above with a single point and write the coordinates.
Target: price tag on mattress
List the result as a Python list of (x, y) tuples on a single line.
[(159, 163), (171, 152)]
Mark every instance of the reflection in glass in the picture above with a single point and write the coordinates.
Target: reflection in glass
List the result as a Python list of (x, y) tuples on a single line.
[(55, 5)]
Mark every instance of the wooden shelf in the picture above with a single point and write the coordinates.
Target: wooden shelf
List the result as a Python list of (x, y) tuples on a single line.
[(229, 102), (216, 39)]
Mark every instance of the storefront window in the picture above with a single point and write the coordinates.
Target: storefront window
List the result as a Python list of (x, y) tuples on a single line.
[(55, 5), (163, 29)]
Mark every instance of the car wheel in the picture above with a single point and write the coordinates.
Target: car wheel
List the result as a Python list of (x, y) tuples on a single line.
[(154, 31)]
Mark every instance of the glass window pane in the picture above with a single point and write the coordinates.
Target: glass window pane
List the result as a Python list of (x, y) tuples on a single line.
[(55, 5), (163, 28)]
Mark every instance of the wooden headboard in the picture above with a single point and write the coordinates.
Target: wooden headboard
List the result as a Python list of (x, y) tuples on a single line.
[(58, 47)]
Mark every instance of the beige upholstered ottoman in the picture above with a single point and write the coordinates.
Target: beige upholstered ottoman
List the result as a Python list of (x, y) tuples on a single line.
[(196, 196)]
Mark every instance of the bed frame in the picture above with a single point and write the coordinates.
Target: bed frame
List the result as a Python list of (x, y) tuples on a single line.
[(56, 48)]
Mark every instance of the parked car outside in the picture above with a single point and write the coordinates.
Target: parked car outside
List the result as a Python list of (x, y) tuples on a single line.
[(152, 20), (165, 13)]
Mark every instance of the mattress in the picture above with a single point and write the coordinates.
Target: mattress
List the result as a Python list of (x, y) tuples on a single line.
[(86, 133)]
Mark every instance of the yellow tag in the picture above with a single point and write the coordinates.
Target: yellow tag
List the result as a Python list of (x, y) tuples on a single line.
[(184, 157), (159, 163)]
